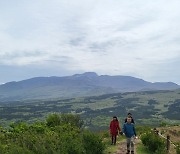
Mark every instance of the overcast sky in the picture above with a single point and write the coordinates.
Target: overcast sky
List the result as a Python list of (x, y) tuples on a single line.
[(115, 37)]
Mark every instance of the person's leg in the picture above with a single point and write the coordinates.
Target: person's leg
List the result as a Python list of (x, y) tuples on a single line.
[(132, 145), (112, 140), (115, 140), (128, 140)]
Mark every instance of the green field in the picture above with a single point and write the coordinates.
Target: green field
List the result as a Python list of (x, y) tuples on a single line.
[(148, 108)]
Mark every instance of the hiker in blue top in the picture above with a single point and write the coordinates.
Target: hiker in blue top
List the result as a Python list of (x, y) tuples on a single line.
[(130, 133)]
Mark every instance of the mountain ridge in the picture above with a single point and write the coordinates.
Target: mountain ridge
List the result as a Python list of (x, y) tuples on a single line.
[(86, 84)]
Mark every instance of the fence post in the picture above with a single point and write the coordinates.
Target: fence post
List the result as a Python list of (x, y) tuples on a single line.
[(168, 143)]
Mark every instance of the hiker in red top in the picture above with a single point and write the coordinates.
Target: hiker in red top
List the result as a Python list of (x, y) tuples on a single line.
[(114, 128)]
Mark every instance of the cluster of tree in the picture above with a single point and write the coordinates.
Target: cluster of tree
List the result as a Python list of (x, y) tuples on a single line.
[(58, 134), (173, 110)]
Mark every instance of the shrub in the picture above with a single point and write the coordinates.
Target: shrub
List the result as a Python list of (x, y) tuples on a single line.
[(92, 143), (153, 142), (19, 127), (72, 119), (57, 119), (163, 124), (178, 148), (60, 134), (53, 120), (13, 149), (143, 129), (104, 134)]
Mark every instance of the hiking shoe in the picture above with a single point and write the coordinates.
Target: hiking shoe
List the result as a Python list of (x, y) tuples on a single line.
[(132, 152), (128, 152)]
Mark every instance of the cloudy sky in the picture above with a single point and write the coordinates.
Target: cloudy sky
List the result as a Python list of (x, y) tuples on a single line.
[(115, 37)]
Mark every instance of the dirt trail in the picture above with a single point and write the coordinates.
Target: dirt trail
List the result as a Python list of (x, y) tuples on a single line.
[(122, 147)]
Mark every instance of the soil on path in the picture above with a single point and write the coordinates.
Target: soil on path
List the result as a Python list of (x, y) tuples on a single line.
[(122, 147)]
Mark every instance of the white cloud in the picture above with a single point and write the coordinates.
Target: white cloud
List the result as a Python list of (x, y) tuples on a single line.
[(137, 37)]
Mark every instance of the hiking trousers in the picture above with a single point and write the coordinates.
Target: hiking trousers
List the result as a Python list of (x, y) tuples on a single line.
[(130, 144)]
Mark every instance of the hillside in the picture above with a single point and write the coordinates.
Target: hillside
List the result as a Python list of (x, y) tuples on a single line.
[(86, 84)]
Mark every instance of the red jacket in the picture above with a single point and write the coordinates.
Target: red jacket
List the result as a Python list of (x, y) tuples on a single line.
[(114, 127)]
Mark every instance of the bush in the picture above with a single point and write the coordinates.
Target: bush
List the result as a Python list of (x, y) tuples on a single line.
[(74, 120), (163, 124), (53, 120), (58, 119), (92, 143), (178, 148), (13, 149), (104, 134), (153, 142), (19, 127), (143, 129), (60, 134)]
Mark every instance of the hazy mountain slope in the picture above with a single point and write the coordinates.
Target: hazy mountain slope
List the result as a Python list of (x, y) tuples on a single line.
[(77, 85)]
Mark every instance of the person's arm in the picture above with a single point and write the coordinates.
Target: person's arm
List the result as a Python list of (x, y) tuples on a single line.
[(120, 131), (134, 130), (124, 129), (118, 126)]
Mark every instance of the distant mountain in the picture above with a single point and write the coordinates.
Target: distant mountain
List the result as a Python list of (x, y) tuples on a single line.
[(85, 84)]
